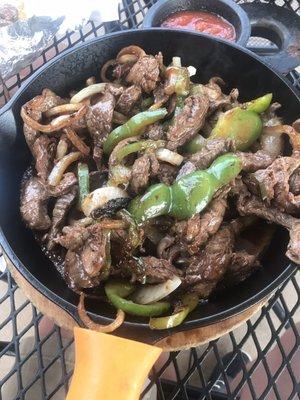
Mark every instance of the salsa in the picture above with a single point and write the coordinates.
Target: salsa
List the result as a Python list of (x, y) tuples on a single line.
[(202, 21)]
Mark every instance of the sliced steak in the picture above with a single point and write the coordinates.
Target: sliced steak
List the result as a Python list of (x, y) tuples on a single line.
[(275, 183), (211, 150), (155, 132), (86, 265), (188, 122), (144, 73), (209, 266), (35, 108), (167, 173), (59, 214), (143, 167), (206, 224), (99, 121), (34, 204), (44, 149), (34, 197), (128, 99), (252, 162), (152, 269), (248, 204)]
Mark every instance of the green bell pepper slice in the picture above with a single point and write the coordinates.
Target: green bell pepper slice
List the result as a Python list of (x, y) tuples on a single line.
[(83, 181), (189, 195), (133, 127), (190, 302), (243, 126), (116, 291), (138, 146), (193, 145), (261, 104)]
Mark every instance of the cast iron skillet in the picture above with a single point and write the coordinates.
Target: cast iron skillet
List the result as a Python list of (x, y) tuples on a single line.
[(237, 66)]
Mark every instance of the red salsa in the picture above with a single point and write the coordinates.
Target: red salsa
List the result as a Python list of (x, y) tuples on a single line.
[(202, 21)]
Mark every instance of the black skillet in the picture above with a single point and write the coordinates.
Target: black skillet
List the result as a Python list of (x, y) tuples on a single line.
[(237, 66)]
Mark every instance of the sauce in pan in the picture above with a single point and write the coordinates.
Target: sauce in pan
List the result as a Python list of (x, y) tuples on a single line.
[(202, 21)]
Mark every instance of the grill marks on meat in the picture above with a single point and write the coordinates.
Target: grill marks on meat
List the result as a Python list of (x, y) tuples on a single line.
[(144, 73), (248, 204), (188, 122), (44, 149), (59, 214), (276, 183), (143, 167), (99, 121), (34, 197), (211, 150), (35, 108), (86, 259), (128, 99), (151, 269)]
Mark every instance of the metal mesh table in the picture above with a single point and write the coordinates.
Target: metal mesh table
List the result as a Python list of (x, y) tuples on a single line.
[(259, 360)]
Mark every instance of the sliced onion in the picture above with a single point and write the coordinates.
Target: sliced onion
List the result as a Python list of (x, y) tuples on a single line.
[(127, 58), (58, 123), (59, 169), (89, 323), (135, 50), (88, 92), (104, 69), (151, 293), (63, 109), (99, 197), (169, 156), (90, 81), (176, 61), (77, 141), (192, 70), (62, 148)]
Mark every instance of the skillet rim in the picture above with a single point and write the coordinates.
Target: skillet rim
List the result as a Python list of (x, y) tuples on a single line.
[(70, 307)]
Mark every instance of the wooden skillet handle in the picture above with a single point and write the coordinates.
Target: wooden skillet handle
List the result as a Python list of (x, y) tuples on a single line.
[(109, 367)]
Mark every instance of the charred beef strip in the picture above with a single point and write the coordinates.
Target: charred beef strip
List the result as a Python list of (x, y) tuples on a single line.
[(59, 214), (275, 184), (143, 168), (99, 121), (35, 108), (155, 132), (150, 269), (86, 259), (44, 149), (144, 73), (252, 162), (248, 204), (34, 197), (211, 150), (128, 99), (188, 122)]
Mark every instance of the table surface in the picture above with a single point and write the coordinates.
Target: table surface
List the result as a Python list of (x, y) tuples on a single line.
[(258, 360)]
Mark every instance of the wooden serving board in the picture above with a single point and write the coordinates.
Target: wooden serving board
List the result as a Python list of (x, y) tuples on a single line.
[(174, 342)]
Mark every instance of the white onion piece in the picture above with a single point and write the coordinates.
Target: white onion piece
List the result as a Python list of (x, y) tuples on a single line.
[(62, 109), (176, 61), (59, 169), (99, 197), (169, 156), (151, 293), (88, 92), (62, 148), (192, 70), (57, 120)]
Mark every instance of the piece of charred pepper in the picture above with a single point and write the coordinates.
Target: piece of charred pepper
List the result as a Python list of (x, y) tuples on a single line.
[(189, 301), (116, 293), (83, 181), (133, 127), (189, 195)]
